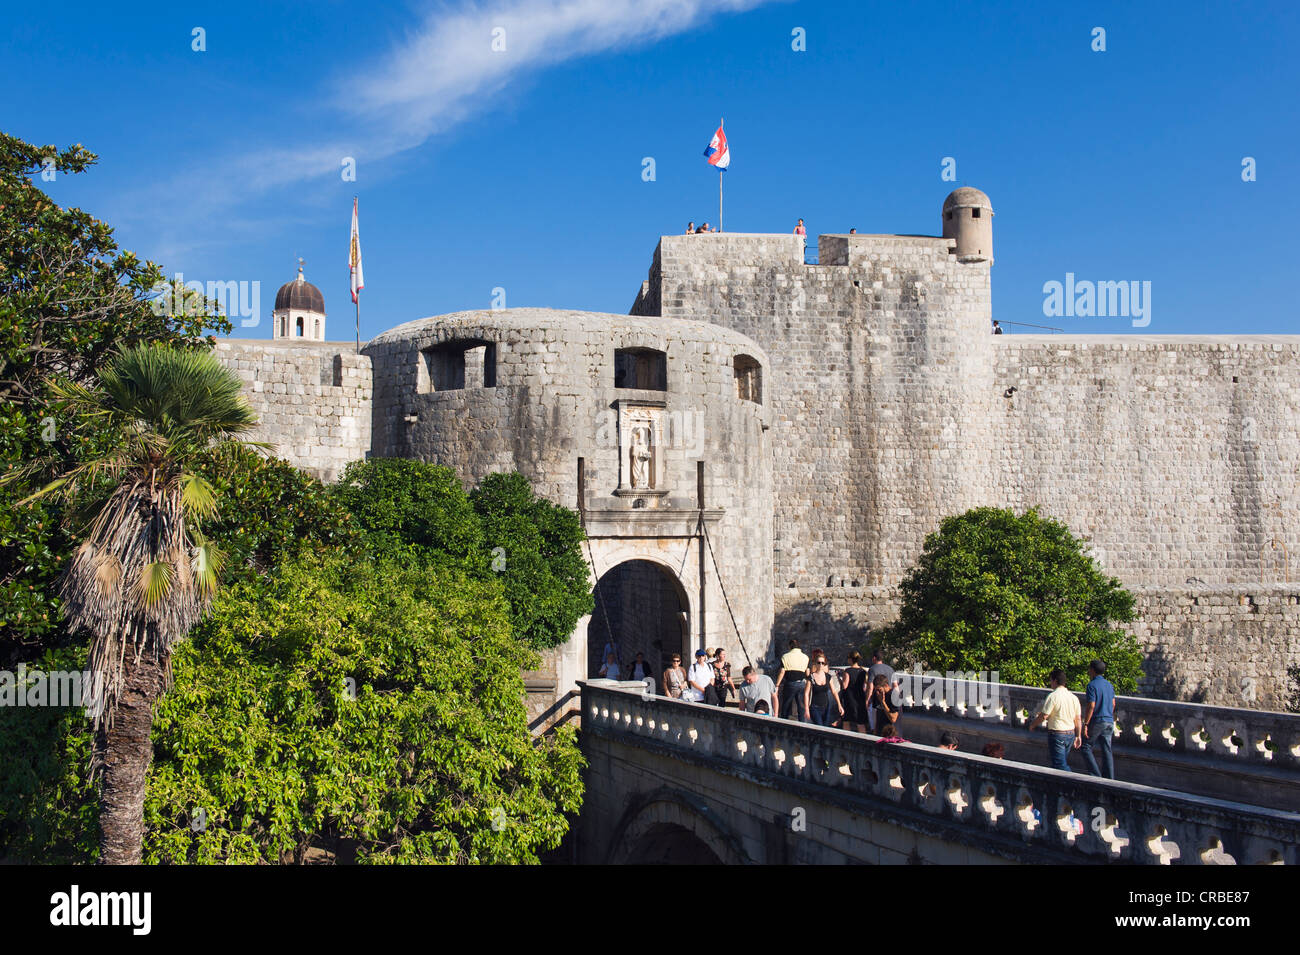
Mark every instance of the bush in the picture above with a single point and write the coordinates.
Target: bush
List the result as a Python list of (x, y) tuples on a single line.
[(48, 809), (503, 531), (268, 511), (1016, 594)]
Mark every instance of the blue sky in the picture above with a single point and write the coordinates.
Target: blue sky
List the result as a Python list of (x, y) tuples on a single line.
[(522, 169)]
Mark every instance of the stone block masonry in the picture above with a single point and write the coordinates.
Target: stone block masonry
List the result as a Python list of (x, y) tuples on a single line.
[(313, 400), (1178, 456), (893, 406)]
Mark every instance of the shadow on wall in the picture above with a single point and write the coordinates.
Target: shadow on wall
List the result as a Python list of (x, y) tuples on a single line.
[(814, 623), (1163, 680)]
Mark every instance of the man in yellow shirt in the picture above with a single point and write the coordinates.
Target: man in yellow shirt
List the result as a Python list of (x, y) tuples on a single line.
[(1061, 712), (791, 680)]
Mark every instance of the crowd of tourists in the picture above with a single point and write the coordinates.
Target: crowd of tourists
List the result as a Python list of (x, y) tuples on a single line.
[(866, 699)]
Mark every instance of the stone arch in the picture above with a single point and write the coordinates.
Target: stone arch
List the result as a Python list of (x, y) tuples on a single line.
[(642, 605), (670, 821), (678, 556)]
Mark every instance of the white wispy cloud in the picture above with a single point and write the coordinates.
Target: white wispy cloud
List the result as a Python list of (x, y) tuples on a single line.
[(442, 70)]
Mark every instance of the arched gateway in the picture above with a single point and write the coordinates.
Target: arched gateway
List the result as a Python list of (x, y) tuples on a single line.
[(641, 606)]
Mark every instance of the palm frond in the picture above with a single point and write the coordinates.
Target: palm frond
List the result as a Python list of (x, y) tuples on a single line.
[(154, 583), (198, 497), (185, 395), (209, 561)]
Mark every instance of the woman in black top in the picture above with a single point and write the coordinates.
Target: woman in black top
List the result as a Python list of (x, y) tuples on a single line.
[(821, 698), (853, 694)]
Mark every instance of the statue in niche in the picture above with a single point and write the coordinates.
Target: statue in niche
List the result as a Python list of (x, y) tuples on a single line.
[(641, 456)]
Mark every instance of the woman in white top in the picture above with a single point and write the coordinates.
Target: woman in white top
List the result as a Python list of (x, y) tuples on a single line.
[(610, 670)]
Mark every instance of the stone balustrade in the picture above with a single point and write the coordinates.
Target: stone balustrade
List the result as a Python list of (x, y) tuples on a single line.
[(1049, 814), (1252, 737)]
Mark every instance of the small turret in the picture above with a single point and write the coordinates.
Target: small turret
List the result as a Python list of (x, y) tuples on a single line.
[(968, 218)]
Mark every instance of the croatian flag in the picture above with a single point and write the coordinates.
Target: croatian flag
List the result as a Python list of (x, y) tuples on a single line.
[(718, 154)]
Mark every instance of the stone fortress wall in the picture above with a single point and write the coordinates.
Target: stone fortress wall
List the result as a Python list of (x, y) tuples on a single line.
[(841, 410), (312, 399), (1178, 456), (881, 380)]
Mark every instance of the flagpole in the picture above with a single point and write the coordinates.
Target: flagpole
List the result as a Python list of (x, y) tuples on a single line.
[(720, 190)]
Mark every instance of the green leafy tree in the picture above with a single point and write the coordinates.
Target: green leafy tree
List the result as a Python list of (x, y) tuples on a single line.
[(1015, 594), (421, 513), (69, 298), (271, 511), (372, 709), (412, 509), (48, 809), (144, 575), (536, 547)]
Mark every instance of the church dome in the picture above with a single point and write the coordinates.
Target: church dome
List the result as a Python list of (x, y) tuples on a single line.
[(300, 294)]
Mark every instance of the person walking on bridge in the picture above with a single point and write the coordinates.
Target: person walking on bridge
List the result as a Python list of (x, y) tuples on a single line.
[(821, 697), (757, 689), (674, 678), (790, 681), (853, 694), (1060, 711), (699, 678), (1099, 721)]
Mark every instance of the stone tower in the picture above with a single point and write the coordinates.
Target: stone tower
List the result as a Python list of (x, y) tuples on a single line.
[(299, 310), (968, 218)]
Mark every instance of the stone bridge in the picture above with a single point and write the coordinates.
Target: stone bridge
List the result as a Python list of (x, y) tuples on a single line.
[(669, 781)]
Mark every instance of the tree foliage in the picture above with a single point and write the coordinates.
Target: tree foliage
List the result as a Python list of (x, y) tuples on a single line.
[(536, 548), (367, 707), (271, 512), (69, 299), (1015, 594), (412, 510), (502, 530)]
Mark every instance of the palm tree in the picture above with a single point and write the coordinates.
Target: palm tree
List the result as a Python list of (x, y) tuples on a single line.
[(144, 575)]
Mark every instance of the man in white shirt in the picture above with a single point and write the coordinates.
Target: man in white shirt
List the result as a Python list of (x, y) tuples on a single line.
[(698, 678), (1061, 712)]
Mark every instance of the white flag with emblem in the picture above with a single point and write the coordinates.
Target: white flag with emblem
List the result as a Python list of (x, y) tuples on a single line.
[(354, 256)]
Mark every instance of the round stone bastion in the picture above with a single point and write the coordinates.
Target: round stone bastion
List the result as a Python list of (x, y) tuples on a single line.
[(664, 422)]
